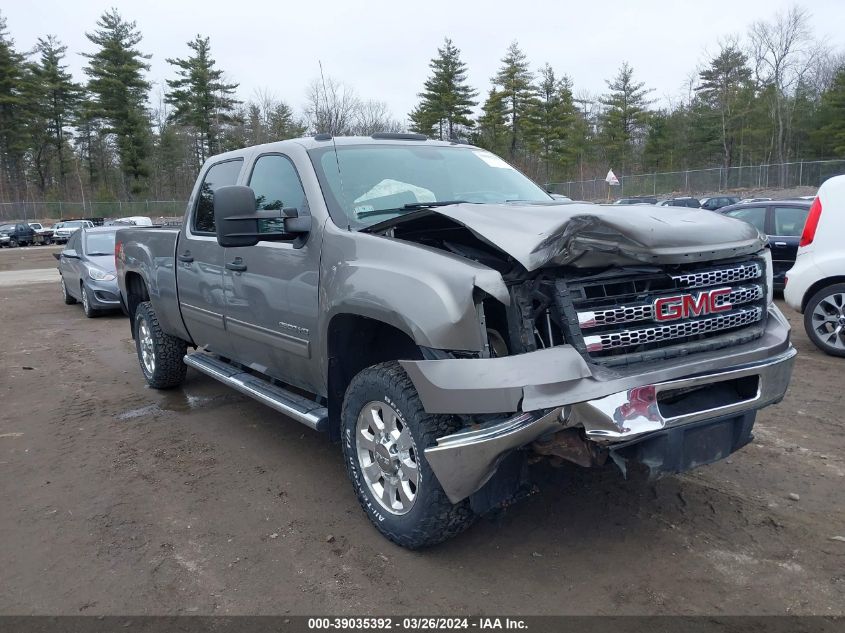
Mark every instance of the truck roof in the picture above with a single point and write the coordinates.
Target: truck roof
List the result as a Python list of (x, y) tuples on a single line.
[(325, 140)]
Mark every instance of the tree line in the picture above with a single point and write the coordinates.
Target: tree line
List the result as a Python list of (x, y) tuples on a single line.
[(773, 95)]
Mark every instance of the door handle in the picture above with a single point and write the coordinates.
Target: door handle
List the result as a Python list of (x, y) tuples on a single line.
[(780, 244), (238, 265), (186, 257)]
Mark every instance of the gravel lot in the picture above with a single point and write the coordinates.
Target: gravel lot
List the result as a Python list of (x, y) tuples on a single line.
[(117, 499)]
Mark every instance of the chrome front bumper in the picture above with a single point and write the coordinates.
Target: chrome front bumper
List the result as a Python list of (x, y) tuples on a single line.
[(463, 462)]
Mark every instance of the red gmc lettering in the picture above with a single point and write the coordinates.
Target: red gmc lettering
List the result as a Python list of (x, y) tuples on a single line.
[(684, 306)]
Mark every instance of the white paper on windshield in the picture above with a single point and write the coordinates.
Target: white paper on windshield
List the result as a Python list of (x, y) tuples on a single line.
[(491, 159), (390, 187)]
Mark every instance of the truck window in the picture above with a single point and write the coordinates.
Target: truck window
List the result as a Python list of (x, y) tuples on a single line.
[(276, 185), (219, 175)]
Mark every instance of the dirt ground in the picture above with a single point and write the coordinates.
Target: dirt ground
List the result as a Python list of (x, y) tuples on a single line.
[(117, 499)]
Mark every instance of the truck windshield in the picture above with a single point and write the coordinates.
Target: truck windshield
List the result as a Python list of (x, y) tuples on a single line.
[(380, 182)]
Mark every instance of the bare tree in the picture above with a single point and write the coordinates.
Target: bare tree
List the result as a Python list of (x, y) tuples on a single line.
[(782, 52), (335, 108), (331, 107), (374, 116)]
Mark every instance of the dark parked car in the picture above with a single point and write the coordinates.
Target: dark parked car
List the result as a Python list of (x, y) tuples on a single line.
[(86, 266), (717, 202), (683, 201), (637, 200), (19, 234), (783, 221)]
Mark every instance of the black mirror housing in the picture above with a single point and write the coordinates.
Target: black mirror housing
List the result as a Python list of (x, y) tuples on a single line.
[(233, 207), (236, 219)]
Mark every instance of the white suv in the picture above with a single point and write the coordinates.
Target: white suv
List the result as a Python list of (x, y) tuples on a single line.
[(815, 286)]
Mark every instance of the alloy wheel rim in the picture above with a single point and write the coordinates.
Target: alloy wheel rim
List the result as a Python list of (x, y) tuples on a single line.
[(387, 456), (84, 298), (828, 320), (145, 338)]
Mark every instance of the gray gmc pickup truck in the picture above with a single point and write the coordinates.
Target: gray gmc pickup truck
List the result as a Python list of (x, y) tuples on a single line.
[(448, 322)]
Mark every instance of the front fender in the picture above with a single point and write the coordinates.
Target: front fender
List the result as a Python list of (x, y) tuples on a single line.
[(428, 294)]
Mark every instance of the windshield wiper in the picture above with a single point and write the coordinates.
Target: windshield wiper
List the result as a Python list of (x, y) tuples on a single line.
[(97, 254), (410, 206)]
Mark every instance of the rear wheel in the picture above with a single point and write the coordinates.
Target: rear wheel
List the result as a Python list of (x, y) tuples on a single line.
[(160, 355), (385, 432), (824, 319)]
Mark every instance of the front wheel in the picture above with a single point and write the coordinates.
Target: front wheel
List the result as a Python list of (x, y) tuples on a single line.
[(160, 355), (66, 295), (87, 308), (385, 431), (824, 319)]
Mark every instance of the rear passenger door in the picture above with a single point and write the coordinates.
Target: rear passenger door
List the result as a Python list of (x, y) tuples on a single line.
[(199, 263), (71, 268), (787, 224)]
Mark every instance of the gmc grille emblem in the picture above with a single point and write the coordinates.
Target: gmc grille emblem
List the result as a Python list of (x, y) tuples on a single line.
[(685, 306)]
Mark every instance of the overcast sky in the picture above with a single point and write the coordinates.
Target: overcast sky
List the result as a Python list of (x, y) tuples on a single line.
[(382, 49)]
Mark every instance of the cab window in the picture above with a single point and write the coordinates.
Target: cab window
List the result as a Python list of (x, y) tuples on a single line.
[(277, 186), (219, 175)]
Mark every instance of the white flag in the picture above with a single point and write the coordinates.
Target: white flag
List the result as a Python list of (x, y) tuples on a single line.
[(611, 179)]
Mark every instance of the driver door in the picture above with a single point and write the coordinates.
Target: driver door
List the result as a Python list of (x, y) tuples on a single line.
[(271, 288)]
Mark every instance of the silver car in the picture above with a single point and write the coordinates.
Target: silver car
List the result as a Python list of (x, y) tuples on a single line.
[(86, 266)]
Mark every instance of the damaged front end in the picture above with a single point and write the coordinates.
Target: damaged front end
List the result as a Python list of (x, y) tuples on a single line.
[(631, 335)]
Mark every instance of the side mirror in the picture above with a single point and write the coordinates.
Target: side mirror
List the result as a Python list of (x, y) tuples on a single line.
[(69, 253), (237, 221)]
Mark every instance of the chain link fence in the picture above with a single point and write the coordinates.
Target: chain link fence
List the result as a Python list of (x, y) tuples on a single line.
[(705, 181), (54, 211)]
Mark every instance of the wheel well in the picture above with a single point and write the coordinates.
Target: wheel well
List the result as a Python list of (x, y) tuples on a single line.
[(355, 343), (828, 281), (136, 292)]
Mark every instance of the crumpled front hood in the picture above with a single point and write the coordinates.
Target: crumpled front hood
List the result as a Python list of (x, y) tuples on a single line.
[(586, 235)]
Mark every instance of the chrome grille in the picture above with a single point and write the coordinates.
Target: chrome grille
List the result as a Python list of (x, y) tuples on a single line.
[(645, 311), (627, 338), (612, 316), (721, 276)]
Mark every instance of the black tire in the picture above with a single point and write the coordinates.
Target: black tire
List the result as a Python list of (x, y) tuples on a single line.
[(432, 518), (832, 297), (65, 295), (90, 311), (168, 367), (13, 243)]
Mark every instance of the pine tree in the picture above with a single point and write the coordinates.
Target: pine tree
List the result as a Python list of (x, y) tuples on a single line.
[(119, 90), (201, 99), (492, 131), (424, 121), (447, 101), (624, 120), (726, 88), (830, 137), (515, 82), (551, 123), (57, 98), (12, 124)]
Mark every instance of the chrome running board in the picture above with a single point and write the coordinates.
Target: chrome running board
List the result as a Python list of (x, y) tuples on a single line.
[(301, 409)]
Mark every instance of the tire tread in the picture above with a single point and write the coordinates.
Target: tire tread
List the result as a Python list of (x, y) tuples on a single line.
[(442, 519)]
